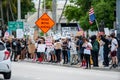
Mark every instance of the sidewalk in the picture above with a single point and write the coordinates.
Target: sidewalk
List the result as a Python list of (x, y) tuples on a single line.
[(101, 67)]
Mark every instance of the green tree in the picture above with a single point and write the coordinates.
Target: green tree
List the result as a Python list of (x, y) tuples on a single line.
[(79, 9), (26, 6), (48, 4), (104, 11)]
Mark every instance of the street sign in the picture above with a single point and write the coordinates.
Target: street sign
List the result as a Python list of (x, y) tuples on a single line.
[(12, 25), (45, 23)]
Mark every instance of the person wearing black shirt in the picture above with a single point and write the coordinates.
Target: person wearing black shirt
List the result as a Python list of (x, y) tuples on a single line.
[(78, 48), (18, 50), (13, 55), (106, 50), (64, 51), (95, 50), (8, 45)]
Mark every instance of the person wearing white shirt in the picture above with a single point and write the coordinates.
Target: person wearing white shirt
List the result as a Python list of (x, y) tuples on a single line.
[(73, 53), (87, 52), (41, 47), (114, 46)]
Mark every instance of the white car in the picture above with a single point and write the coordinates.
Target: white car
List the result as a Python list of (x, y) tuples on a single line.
[(5, 62)]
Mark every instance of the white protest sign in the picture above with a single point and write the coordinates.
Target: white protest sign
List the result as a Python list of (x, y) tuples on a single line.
[(19, 33), (48, 41), (107, 32)]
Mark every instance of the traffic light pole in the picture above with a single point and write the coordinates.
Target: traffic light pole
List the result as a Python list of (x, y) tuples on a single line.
[(118, 26)]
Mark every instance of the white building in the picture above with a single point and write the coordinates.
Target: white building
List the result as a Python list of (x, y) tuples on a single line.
[(63, 26)]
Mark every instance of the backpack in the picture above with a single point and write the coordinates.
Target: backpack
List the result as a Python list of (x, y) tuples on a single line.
[(95, 46)]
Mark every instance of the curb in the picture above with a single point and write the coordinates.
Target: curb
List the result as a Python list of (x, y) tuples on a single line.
[(77, 66)]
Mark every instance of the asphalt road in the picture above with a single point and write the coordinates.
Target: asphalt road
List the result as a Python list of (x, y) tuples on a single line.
[(35, 71)]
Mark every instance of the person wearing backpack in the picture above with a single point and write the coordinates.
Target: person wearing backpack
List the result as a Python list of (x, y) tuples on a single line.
[(95, 50)]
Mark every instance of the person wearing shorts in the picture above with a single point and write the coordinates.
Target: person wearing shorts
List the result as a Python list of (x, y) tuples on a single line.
[(114, 46)]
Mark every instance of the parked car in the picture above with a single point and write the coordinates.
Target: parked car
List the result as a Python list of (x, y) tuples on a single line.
[(5, 62)]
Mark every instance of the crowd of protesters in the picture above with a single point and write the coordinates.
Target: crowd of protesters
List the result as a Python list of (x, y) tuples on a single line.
[(78, 50)]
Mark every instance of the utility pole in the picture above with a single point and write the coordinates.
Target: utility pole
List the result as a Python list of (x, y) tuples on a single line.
[(54, 3), (19, 9), (39, 9), (44, 6), (118, 26)]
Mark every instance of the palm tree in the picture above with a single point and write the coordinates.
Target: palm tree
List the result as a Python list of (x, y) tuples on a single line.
[(9, 10)]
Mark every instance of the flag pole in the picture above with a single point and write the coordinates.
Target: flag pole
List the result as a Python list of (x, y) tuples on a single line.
[(97, 25)]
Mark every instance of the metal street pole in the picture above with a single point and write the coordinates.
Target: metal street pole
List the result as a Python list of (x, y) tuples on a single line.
[(54, 3), (39, 9), (118, 26), (19, 9), (44, 6)]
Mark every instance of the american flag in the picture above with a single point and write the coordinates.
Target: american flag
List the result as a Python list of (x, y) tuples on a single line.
[(91, 15)]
